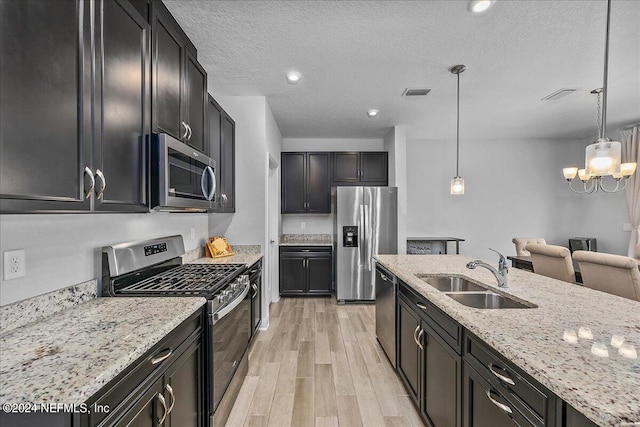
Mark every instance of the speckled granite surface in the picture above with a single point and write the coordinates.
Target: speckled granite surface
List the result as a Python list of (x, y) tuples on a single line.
[(68, 357), (603, 389), (33, 309), (306, 240), (244, 254)]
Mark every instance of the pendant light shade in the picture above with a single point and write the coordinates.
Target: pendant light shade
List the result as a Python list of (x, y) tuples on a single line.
[(602, 158), (457, 183)]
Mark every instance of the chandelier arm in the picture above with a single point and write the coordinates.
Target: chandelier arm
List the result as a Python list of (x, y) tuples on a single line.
[(615, 190), (585, 191)]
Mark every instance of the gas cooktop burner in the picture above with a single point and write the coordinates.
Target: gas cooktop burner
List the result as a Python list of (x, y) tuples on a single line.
[(186, 279)]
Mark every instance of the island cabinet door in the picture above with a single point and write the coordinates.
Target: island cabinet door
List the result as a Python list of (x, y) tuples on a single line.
[(441, 402), (484, 406), (148, 411), (409, 353)]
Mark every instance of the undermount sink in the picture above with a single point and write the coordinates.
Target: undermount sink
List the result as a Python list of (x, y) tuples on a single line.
[(452, 284), (471, 293), (487, 300)]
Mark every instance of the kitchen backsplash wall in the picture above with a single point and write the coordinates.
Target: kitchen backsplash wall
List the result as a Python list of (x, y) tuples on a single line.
[(64, 249)]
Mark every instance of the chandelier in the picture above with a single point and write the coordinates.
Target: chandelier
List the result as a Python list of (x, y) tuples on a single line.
[(603, 157)]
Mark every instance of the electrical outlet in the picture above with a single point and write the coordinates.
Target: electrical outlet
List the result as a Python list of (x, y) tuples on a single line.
[(15, 264), (627, 226), (193, 234), (303, 225)]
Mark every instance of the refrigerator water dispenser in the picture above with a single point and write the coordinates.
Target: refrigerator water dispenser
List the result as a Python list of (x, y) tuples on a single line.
[(350, 236)]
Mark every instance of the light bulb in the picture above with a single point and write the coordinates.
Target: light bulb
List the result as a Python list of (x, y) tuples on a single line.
[(457, 185), (293, 77)]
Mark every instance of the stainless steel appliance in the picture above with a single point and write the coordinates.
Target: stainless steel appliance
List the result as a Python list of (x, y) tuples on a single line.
[(365, 224), (154, 268), (386, 294), (181, 178)]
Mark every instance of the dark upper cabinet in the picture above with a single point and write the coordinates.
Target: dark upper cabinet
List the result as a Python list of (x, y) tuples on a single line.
[(179, 83), (305, 270), (45, 105), (305, 183), (360, 168), (227, 168), (122, 106), (221, 147), (81, 129)]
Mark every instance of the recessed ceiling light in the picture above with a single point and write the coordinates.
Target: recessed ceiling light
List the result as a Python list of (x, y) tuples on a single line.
[(372, 113), (293, 77), (479, 6)]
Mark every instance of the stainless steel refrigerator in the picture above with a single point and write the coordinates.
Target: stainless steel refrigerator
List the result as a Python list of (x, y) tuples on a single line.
[(365, 224)]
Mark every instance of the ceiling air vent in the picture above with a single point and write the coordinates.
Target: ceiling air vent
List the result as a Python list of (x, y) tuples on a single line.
[(559, 94), (415, 92)]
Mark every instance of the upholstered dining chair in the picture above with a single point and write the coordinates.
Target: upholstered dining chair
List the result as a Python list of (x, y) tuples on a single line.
[(521, 242), (552, 261), (613, 274)]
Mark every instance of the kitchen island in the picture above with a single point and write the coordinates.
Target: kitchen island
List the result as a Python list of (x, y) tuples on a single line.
[(604, 389)]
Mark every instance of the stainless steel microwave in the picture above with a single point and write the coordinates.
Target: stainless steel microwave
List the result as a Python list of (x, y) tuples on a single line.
[(181, 178)]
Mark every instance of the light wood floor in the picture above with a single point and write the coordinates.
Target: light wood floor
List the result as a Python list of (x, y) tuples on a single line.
[(319, 364)]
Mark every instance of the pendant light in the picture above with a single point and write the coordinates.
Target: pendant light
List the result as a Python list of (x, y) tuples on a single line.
[(603, 157), (457, 183)]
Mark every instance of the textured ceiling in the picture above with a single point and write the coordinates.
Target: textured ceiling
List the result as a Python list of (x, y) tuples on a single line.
[(357, 55)]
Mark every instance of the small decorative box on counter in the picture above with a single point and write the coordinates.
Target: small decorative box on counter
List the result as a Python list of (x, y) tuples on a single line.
[(218, 247)]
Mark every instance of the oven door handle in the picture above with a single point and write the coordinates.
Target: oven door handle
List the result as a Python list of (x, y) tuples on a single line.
[(218, 315)]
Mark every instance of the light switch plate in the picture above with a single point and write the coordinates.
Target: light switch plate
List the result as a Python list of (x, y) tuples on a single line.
[(15, 265)]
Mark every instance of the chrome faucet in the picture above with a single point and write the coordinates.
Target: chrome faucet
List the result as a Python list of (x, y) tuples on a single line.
[(502, 274)]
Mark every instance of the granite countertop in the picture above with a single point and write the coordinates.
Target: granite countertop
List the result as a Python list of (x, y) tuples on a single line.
[(306, 240), (244, 254), (69, 356), (602, 388)]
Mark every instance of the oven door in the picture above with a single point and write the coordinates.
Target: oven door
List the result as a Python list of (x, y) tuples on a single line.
[(181, 177), (230, 329)]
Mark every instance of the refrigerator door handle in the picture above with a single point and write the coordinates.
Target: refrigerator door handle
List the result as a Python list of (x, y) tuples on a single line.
[(368, 242), (362, 242)]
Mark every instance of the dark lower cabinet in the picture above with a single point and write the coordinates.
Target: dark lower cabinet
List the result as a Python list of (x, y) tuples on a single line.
[(484, 406), (255, 281), (428, 366), (573, 418), (147, 411), (305, 270), (183, 388)]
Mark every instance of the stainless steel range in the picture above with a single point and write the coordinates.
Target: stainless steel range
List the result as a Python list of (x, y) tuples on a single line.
[(154, 268)]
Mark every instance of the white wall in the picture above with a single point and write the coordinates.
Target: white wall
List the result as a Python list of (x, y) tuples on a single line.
[(396, 144), (512, 188), (319, 223), (64, 249)]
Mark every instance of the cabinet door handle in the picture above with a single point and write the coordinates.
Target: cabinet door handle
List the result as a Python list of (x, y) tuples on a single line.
[(89, 173), (415, 337), (384, 277), (190, 132), (168, 352), (186, 130), (420, 334), (500, 376), (255, 290), (173, 398), (421, 305), (164, 408), (502, 406), (103, 184)]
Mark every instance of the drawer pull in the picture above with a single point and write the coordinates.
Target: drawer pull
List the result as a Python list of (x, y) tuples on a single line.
[(421, 305), (384, 277), (500, 376), (502, 406), (167, 353), (173, 398), (164, 408), (306, 250)]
